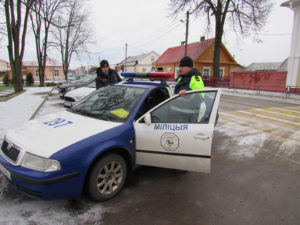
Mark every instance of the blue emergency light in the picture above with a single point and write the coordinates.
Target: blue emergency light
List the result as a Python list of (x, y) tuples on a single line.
[(150, 75)]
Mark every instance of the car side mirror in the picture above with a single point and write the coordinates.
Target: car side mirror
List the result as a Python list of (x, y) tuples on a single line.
[(147, 119)]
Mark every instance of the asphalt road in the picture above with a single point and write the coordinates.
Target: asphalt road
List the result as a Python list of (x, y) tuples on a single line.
[(255, 178)]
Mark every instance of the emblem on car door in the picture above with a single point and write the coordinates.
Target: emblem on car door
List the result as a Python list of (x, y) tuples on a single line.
[(169, 141)]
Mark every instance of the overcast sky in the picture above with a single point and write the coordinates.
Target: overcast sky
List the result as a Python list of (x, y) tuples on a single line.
[(147, 26)]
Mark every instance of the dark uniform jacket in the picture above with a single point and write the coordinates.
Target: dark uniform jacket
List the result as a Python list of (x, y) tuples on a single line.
[(190, 81), (112, 77)]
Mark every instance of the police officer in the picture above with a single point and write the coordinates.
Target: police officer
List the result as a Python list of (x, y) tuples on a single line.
[(189, 78), (105, 75)]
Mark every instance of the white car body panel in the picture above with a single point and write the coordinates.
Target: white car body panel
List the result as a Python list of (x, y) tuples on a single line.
[(77, 95), (190, 143), (55, 131)]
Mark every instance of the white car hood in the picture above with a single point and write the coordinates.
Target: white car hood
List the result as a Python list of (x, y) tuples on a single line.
[(41, 137), (80, 92)]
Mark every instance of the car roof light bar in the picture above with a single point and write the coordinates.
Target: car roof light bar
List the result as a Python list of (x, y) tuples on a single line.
[(150, 75)]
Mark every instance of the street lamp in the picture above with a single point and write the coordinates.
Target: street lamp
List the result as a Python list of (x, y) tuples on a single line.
[(186, 31)]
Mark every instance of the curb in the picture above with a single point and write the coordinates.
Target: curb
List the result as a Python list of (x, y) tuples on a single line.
[(40, 106)]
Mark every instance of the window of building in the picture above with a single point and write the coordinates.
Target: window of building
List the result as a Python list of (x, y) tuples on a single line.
[(206, 71), (152, 58), (56, 74), (37, 73), (221, 71)]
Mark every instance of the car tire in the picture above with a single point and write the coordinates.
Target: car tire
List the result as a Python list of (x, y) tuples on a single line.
[(107, 177)]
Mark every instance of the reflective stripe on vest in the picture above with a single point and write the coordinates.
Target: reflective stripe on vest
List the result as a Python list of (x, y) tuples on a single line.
[(196, 82)]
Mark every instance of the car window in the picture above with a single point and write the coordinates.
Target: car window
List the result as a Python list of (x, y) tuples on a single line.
[(113, 103), (155, 97), (192, 108)]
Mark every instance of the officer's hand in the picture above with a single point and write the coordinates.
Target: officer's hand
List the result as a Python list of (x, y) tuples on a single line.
[(182, 93)]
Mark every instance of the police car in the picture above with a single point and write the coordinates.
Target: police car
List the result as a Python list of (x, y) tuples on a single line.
[(96, 143)]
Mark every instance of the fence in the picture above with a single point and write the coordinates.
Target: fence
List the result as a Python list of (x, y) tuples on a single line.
[(274, 81)]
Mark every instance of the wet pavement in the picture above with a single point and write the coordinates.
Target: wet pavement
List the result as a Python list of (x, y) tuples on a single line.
[(254, 180)]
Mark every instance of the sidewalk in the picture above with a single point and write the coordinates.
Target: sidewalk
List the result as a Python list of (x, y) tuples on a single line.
[(272, 96), (21, 108)]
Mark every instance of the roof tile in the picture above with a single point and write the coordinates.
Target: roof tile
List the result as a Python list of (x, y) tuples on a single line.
[(175, 54)]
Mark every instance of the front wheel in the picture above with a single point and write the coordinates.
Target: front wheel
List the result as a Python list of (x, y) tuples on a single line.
[(107, 177)]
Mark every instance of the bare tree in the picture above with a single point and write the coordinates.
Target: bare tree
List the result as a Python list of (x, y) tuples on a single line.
[(42, 16), (244, 16), (16, 27), (2, 25), (72, 34)]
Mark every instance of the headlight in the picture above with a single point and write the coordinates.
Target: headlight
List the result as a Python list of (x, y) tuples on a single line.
[(38, 163)]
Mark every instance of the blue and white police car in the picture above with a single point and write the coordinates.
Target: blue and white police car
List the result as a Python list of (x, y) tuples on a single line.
[(96, 143)]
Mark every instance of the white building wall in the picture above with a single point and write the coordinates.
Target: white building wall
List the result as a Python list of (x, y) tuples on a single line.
[(146, 64), (3, 66), (293, 77)]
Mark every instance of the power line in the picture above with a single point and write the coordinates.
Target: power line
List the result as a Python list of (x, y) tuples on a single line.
[(171, 28), (274, 34)]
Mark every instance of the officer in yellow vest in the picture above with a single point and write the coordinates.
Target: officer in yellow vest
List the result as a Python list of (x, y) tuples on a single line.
[(189, 78)]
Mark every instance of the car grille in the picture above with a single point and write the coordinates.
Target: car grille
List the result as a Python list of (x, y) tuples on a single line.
[(10, 151), (68, 99)]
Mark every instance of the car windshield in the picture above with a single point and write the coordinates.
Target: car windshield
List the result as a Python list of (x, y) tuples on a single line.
[(112, 103)]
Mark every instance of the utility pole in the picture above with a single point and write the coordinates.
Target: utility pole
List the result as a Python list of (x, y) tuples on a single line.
[(125, 56), (186, 32)]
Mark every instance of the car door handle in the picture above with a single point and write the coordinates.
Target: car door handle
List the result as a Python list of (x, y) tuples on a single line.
[(201, 137)]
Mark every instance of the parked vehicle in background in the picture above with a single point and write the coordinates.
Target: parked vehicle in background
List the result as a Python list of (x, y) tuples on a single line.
[(85, 80), (70, 79), (72, 97)]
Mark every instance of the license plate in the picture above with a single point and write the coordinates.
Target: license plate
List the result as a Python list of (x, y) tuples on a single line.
[(5, 172)]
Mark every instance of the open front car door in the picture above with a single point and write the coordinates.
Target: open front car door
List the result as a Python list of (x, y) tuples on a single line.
[(178, 132)]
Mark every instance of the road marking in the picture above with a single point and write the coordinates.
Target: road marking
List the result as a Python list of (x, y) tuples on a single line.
[(286, 111), (266, 118), (277, 134), (242, 102), (264, 112), (280, 126)]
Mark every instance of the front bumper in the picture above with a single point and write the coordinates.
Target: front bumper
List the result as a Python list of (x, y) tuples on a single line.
[(39, 185)]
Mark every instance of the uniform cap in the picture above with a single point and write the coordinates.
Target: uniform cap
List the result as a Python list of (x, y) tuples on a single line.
[(186, 61)]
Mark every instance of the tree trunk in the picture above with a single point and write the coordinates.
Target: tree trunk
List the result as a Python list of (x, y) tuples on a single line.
[(17, 74), (217, 46)]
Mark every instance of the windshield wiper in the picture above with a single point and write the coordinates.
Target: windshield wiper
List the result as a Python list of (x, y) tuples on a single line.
[(90, 114)]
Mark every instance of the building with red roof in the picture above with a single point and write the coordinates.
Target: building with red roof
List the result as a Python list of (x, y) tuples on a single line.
[(202, 55), (3, 67)]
